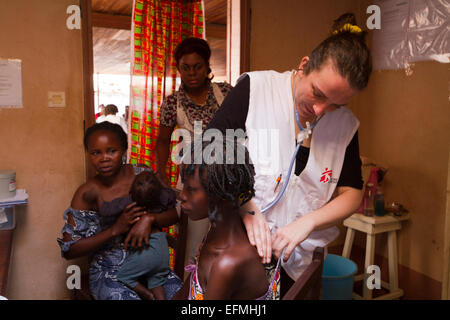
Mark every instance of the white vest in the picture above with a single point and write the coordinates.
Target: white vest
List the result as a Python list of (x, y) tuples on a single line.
[(271, 143)]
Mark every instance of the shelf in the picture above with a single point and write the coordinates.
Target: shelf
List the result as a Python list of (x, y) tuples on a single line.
[(21, 197)]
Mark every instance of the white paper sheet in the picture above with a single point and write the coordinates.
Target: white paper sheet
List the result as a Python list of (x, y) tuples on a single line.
[(10, 83), (3, 217)]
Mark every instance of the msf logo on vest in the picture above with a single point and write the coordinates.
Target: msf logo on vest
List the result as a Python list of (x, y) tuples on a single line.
[(326, 176)]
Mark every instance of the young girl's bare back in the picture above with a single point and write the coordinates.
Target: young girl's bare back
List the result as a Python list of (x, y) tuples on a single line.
[(234, 272)]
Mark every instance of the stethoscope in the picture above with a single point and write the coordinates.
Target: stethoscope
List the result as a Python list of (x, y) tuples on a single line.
[(302, 135)]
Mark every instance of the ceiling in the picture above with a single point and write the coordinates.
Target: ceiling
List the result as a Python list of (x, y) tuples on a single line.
[(215, 10), (112, 38), (123, 7)]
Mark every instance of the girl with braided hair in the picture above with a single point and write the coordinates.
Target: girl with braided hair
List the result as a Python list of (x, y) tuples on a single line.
[(227, 265)]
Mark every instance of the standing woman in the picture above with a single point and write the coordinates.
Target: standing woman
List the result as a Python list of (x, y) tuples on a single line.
[(325, 186), (197, 99)]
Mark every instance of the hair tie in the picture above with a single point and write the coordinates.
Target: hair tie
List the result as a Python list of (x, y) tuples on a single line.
[(348, 27)]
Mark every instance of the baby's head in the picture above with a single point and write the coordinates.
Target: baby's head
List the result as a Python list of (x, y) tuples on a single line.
[(146, 190)]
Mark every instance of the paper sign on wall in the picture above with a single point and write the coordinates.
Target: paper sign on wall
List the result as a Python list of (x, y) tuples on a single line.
[(10, 83)]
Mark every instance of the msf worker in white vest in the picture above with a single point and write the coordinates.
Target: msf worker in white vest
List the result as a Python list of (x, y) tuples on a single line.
[(326, 185)]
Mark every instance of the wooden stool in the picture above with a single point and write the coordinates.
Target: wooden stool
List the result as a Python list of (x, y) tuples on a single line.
[(373, 226)]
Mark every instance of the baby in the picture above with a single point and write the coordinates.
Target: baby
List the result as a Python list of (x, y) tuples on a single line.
[(153, 261)]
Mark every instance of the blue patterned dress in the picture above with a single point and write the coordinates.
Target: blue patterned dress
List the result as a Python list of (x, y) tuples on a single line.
[(107, 260)]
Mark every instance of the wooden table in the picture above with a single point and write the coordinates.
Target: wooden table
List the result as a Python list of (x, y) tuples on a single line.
[(6, 237), (373, 226)]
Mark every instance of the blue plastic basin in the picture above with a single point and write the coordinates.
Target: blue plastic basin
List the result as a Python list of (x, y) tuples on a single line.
[(338, 278)]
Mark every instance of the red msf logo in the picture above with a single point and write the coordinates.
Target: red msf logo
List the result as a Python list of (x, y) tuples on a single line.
[(326, 175)]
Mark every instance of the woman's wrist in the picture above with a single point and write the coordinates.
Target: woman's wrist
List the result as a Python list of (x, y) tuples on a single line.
[(149, 218), (165, 219), (112, 232), (307, 221)]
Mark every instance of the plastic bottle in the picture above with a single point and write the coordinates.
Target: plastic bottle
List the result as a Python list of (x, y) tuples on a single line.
[(379, 202), (368, 208), (373, 179)]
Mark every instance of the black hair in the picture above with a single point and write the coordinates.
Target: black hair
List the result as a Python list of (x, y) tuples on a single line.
[(228, 179), (146, 190), (111, 109), (347, 50), (191, 45), (107, 126)]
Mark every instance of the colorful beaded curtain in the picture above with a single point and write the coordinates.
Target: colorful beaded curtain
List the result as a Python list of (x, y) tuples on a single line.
[(158, 26)]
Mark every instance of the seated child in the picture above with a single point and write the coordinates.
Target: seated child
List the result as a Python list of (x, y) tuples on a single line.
[(227, 265), (153, 261)]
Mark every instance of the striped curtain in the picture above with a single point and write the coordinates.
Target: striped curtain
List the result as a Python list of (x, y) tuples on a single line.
[(157, 27)]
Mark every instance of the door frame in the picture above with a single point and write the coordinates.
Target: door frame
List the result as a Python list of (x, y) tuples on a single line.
[(446, 275), (94, 19), (88, 71), (238, 39)]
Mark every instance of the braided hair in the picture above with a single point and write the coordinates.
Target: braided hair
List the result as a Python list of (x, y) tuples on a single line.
[(223, 176)]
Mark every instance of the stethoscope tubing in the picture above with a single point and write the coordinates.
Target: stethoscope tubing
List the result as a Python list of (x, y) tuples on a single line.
[(280, 194), (297, 148)]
